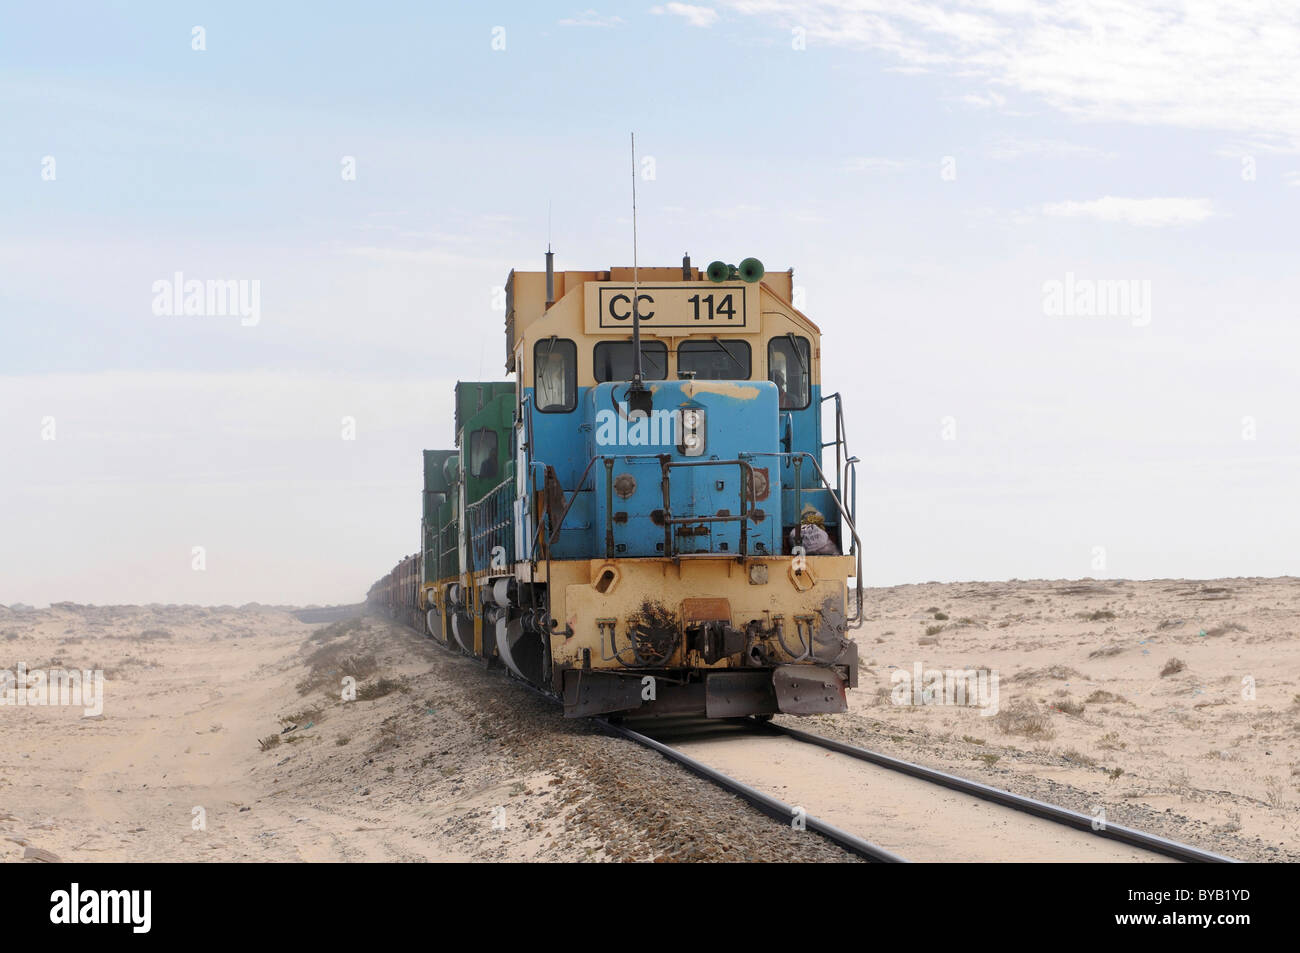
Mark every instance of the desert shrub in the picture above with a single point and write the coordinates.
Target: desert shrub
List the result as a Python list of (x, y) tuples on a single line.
[(1024, 718), (384, 686), (1100, 697)]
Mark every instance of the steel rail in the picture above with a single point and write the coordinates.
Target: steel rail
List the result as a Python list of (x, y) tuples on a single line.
[(777, 810), (1051, 812), (782, 812)]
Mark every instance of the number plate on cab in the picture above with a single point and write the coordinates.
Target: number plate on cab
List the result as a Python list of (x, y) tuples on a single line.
[(682, 308)]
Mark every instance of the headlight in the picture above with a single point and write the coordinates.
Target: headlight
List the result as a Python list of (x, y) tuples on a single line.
[(691, 442)]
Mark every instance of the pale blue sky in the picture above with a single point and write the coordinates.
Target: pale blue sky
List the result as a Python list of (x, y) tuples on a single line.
[(1107, 140)]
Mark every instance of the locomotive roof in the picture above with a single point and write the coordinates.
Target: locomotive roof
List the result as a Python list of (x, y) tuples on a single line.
[(526, 296)]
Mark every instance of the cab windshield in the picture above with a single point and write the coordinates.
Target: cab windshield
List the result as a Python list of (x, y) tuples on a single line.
[(716, 360)]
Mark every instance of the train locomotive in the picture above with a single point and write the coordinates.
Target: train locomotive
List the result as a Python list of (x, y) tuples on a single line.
[(639, 523)]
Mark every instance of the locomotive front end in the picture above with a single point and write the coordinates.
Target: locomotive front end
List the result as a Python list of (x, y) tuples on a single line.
[(698, 586), (686, 550)]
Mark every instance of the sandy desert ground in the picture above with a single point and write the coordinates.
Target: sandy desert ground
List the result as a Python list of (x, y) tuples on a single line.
[(193, 757), (1169, 705)]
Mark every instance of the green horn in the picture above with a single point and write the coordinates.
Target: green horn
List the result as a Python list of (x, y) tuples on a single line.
[(751, 269)]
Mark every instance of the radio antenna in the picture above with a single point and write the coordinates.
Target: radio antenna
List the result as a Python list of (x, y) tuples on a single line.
[(636, 316)]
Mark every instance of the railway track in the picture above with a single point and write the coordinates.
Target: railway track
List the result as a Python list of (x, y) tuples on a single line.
[(772, 807), (658, 737), (784, 813)]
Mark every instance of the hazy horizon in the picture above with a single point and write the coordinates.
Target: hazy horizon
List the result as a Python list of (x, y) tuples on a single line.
[(360, 601)]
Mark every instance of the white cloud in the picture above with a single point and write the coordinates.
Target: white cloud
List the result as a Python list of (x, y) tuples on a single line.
[(1045, 149), (873, 164), (1177, 62), (591, 18), (1252, 146), (983, 101), (695, 16), (1151, 213)]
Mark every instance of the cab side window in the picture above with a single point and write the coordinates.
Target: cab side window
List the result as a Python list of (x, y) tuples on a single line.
[(483, 454), (555, 375), (789, 367)]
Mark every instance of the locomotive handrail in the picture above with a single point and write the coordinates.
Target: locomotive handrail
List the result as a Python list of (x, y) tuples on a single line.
[(527, 401), (555, 531), (489, 518), (854, 621), (840, 443), (667, 464)]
